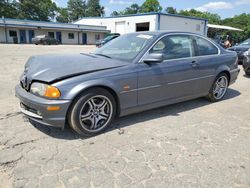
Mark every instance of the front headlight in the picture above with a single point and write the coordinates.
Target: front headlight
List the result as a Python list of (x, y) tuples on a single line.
[(45, 90), (246, 53)]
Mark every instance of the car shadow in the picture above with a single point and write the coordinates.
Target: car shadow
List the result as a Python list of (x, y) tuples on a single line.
[(66, 134), (170, 110)]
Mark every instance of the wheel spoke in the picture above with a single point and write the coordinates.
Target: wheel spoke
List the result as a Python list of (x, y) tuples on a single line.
[(217, 87), (99, 118), (92, 104), (86, 116), (103, 115), (221, 91), (223, 83), (102, 105), (93, 123), (215, 92)]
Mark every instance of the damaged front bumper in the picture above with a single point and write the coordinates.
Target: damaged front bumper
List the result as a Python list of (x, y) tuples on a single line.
[(36, 108)]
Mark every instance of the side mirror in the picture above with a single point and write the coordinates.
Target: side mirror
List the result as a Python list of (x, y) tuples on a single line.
[(153, 58)]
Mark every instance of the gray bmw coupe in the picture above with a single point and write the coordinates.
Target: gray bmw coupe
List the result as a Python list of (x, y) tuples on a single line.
[(133, 73)]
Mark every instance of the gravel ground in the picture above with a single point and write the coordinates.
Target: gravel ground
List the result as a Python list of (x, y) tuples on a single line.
[(191, 144)]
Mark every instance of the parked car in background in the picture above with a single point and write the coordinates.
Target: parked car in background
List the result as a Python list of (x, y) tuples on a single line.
[(246, 61), (133, 73), (43, 39), (108, 38), (242, 50)]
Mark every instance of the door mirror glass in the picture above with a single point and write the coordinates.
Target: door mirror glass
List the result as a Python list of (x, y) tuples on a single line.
[(153, 58)]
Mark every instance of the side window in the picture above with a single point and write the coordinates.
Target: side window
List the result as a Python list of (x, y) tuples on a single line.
[(174, 47), (12, 33), (205, 47), (71, 36)]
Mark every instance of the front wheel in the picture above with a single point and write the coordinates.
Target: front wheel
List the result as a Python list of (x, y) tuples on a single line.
[(219, 88), (92, 112)]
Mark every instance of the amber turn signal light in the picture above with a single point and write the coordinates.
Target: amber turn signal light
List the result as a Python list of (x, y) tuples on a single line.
[(53, 108), (52, 92)]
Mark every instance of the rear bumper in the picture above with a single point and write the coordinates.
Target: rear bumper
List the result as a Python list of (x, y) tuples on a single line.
[(35, 108), (234, 75)]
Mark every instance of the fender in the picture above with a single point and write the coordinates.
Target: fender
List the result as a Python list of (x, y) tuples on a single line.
[(222, 68), (91, 83)]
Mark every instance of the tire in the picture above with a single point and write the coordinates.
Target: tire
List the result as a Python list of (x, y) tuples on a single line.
[(218, 89), (92, 112)]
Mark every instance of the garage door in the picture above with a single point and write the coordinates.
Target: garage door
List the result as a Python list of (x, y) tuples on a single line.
[(120, 27)]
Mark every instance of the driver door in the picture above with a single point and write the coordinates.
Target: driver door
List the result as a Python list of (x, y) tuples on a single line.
[(172, 78)]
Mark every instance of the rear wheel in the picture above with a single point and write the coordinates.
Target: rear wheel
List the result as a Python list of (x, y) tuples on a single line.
[(219, 88), (92, 112)]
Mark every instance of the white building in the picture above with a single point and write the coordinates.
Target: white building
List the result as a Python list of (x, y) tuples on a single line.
[(149, 22), (22, 31)]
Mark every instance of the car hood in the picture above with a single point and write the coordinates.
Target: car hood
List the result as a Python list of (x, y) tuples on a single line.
[(239, 48), (51, 68)]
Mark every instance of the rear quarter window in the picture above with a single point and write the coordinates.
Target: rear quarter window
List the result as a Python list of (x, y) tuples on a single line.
[(205, 47)]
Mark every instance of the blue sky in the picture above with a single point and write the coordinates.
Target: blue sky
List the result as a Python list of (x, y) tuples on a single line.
[(223, 8)]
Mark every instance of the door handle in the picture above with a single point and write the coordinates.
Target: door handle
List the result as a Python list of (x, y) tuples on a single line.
[(194, 64)]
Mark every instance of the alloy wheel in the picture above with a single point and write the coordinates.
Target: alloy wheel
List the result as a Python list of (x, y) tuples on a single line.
[(220, 87), (96, 113)]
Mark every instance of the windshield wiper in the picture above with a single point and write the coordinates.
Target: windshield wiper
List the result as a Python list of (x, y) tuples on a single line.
[(104, 55)]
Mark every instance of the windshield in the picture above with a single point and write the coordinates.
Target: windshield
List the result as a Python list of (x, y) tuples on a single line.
[(245, 43), (125, 47)]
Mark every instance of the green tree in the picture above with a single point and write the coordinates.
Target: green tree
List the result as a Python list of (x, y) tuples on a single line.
[(150, 6), (212, 18), (63, 15), (8, 9), (241, 21), (44, 10), (115, 13), (171, 10), (94, 9), (76, 9), (133, 9)]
